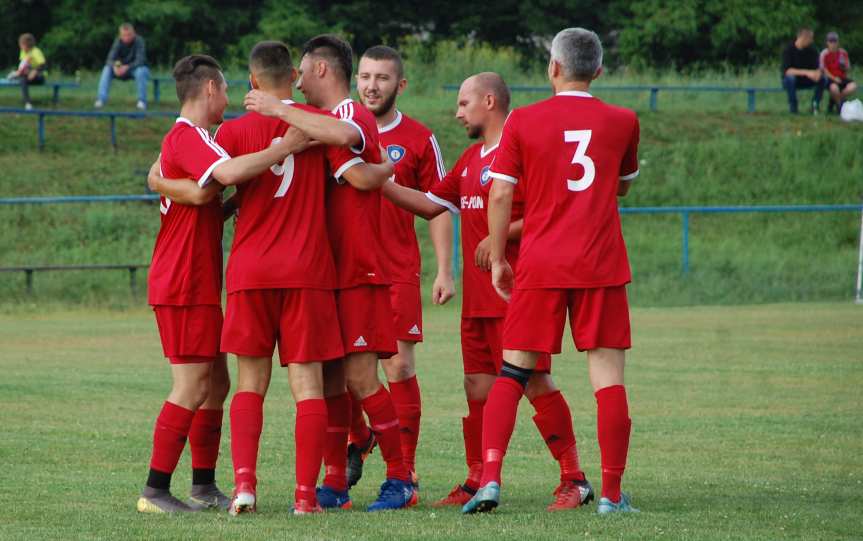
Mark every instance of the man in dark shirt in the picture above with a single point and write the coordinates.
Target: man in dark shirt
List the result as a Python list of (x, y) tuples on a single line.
[(801, 69), (126, 60)]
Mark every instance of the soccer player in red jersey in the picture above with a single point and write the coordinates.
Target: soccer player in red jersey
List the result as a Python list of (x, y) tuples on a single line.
[(365, 313), (571, 156), (280, 282), (184, 289), (415, 152), (483, 103)]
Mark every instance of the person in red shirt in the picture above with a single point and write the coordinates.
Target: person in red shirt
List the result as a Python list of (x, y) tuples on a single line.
[(571, 156), (835, 64), (483, 104), (416, 155), (353, 223), (184, 288), (280, 281)]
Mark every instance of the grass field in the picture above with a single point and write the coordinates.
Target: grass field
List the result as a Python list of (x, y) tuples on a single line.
[(746, 426)]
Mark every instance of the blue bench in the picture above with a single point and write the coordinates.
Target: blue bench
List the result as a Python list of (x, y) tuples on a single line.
[(29, 270), (157, 85), (112, 116), (655, 89), (4, 83)]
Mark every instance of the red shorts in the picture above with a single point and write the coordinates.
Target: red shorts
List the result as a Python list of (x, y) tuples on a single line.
[(366, 319), (303, 322), (190, 334), (598, 317), (481, 348), (407, 311)]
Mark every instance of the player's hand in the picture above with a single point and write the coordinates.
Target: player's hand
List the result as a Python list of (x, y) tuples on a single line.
[(263, 103), (502, 279), (296, 141), (388, 163), (153, 177), (482, 256), (443, 288)]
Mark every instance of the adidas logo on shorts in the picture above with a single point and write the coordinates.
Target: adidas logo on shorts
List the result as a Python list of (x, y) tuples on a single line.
[(360, 342), (414, 330)]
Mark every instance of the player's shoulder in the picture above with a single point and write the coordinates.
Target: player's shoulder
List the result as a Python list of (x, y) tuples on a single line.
[(471, 152), (415, 126)]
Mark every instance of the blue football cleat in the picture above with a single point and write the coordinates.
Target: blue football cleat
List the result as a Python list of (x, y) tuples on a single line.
[(395, 494), (485, 499), (329, 498), (607, 506)]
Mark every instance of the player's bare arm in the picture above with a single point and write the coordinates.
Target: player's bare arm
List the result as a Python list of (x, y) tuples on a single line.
[(369, 176), (499, 212), (412, 201), (482, 255), (244, 168), (326, 129), (184, 191), (440, 231)]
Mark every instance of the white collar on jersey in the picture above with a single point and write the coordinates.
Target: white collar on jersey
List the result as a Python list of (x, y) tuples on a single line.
[(288, 102), (185, 120), (577, 93), (344, 101), (392, 125), (483, 152)]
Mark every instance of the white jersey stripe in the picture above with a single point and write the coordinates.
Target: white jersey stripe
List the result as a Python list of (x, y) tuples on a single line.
[(441, 167)]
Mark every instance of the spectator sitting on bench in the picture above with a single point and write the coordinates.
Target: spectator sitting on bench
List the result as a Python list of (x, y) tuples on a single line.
[(800, 69), (126, 60), (835, 63), (31, 67)]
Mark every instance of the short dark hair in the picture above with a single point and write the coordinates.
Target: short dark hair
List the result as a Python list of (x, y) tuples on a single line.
[(804, 30), (336, 51), (28, 38), (271, 61), (192, 72), (382, 52)]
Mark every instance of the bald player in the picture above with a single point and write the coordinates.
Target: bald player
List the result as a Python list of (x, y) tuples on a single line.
[(483, 105)]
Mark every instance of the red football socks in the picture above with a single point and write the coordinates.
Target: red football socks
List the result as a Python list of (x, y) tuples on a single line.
[(613, 426), (360, 432), (554, 422), (310, 434), (472, 431), (205, 435), (335, 461), (169, 437), (497, 426), (406, 399), (247, 421), (385, 425)]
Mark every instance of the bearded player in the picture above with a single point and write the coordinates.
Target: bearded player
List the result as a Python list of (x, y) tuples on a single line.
[(571, 156), (415, 152), (483, 104)]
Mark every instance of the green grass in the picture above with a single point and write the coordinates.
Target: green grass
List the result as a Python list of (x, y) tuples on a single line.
[(746, 425)]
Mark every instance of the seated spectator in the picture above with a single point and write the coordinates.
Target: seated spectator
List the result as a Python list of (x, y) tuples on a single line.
[(126, 60), (31, 67), (835, 64), (800, 69)]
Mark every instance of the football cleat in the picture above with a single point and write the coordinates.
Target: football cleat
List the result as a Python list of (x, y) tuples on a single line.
[(329, 498), (356, 457), (395, 494), (607, 506), (459, 495), (571, 494), (485, 499), (160, 501), (305, 507), (244, 500), (208, 497)]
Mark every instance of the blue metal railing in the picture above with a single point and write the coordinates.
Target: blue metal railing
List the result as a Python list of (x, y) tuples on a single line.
[(684, 212)]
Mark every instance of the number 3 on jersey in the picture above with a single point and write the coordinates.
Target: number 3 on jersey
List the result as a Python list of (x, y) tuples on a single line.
[(286, 169), (582, 139)]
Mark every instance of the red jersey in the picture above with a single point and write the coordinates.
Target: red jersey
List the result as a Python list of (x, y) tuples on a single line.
[(418, 163), (465, 189), (353, 216), (186, 268), (837, 63), (280, 240), (569, 154)]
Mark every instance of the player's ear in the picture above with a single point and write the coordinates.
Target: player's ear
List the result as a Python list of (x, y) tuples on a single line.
[(253, 81), (402, 85), (321, 68), (294, 75), (598, 73)]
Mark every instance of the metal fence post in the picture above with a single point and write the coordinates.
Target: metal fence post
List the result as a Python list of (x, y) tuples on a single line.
[(685, 248), (157, 93), (653, 92), (41, 131), (29, 279), (133, 280), (56, 94), (114, 131)]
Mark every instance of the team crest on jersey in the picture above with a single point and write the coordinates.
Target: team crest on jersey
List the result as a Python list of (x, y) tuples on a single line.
[(396, 153), (485, 176)]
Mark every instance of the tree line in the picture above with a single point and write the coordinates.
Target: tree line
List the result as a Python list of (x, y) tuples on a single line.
[(685, 35)]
